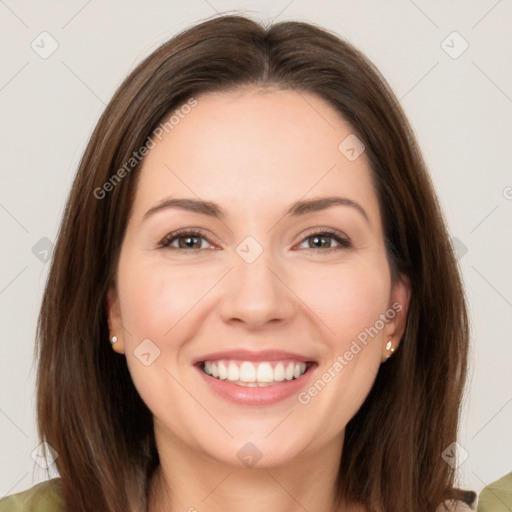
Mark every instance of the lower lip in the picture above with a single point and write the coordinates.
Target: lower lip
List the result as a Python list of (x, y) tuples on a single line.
[(267, 395)]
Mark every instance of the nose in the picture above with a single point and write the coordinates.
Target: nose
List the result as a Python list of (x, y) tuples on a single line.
[(256, 294)]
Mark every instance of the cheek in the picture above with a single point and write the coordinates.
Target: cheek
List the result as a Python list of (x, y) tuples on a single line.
[(161, 303), (156, 297), (157, 302), (349, 303), (348, 299)]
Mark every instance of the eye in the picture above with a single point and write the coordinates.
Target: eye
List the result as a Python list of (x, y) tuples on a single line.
[(323, 240), (191, 239)]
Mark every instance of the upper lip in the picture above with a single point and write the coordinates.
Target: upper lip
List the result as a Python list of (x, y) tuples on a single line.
[(249, 355)]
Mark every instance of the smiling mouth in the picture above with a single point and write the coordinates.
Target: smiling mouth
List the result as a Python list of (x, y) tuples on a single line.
[(255, 374)]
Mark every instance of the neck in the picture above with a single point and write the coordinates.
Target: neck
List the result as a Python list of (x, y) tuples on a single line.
[(188, 480)]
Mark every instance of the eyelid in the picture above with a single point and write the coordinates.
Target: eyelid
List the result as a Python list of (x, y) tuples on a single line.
[(342, 240), (198, 232)]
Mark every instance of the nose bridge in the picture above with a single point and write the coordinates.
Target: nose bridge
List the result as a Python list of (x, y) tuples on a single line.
[(254, 294)]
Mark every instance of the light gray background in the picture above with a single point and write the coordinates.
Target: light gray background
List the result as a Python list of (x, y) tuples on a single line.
[(460, 109)]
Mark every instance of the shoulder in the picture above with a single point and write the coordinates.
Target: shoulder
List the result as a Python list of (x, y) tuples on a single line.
[(42, 497), (497, 496)]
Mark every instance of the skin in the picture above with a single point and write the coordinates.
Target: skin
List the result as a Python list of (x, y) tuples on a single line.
[(254, 152)]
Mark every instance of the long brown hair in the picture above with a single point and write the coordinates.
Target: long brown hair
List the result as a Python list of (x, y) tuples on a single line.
[(88, 408)]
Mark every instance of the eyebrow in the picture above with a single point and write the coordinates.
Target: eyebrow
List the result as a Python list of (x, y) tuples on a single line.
[(297, 209)]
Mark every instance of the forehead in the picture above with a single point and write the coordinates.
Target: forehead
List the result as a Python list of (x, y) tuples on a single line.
[(252, 147)]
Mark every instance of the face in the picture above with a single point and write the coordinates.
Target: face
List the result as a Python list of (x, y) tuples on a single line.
[(283, 297)]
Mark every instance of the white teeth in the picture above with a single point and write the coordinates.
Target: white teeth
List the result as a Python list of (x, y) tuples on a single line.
[(247, 372), (253, 384), (289, 371), (265, 373), (299, 369), (223, 371), (233, 372), (250, 374), (279, 372)]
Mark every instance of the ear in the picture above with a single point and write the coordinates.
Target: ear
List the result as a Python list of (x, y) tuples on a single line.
[(115, 324), (397, 315)]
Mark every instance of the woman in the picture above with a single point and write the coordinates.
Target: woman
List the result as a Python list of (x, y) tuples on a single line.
[(253, 228)]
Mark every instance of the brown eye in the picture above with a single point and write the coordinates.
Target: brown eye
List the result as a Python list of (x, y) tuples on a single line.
[(186, 239), (324, 240)]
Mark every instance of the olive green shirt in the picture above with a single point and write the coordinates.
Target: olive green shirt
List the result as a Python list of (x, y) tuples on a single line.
[(43, 497), (496, 497)]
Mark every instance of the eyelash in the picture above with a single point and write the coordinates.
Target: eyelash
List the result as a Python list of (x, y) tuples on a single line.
[(343, 242)]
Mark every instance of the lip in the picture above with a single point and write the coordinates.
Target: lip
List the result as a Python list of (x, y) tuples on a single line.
[(256, 396), (248, 355)]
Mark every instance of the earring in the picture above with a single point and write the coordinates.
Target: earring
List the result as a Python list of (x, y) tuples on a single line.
[(113, 340), (390, 348)]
